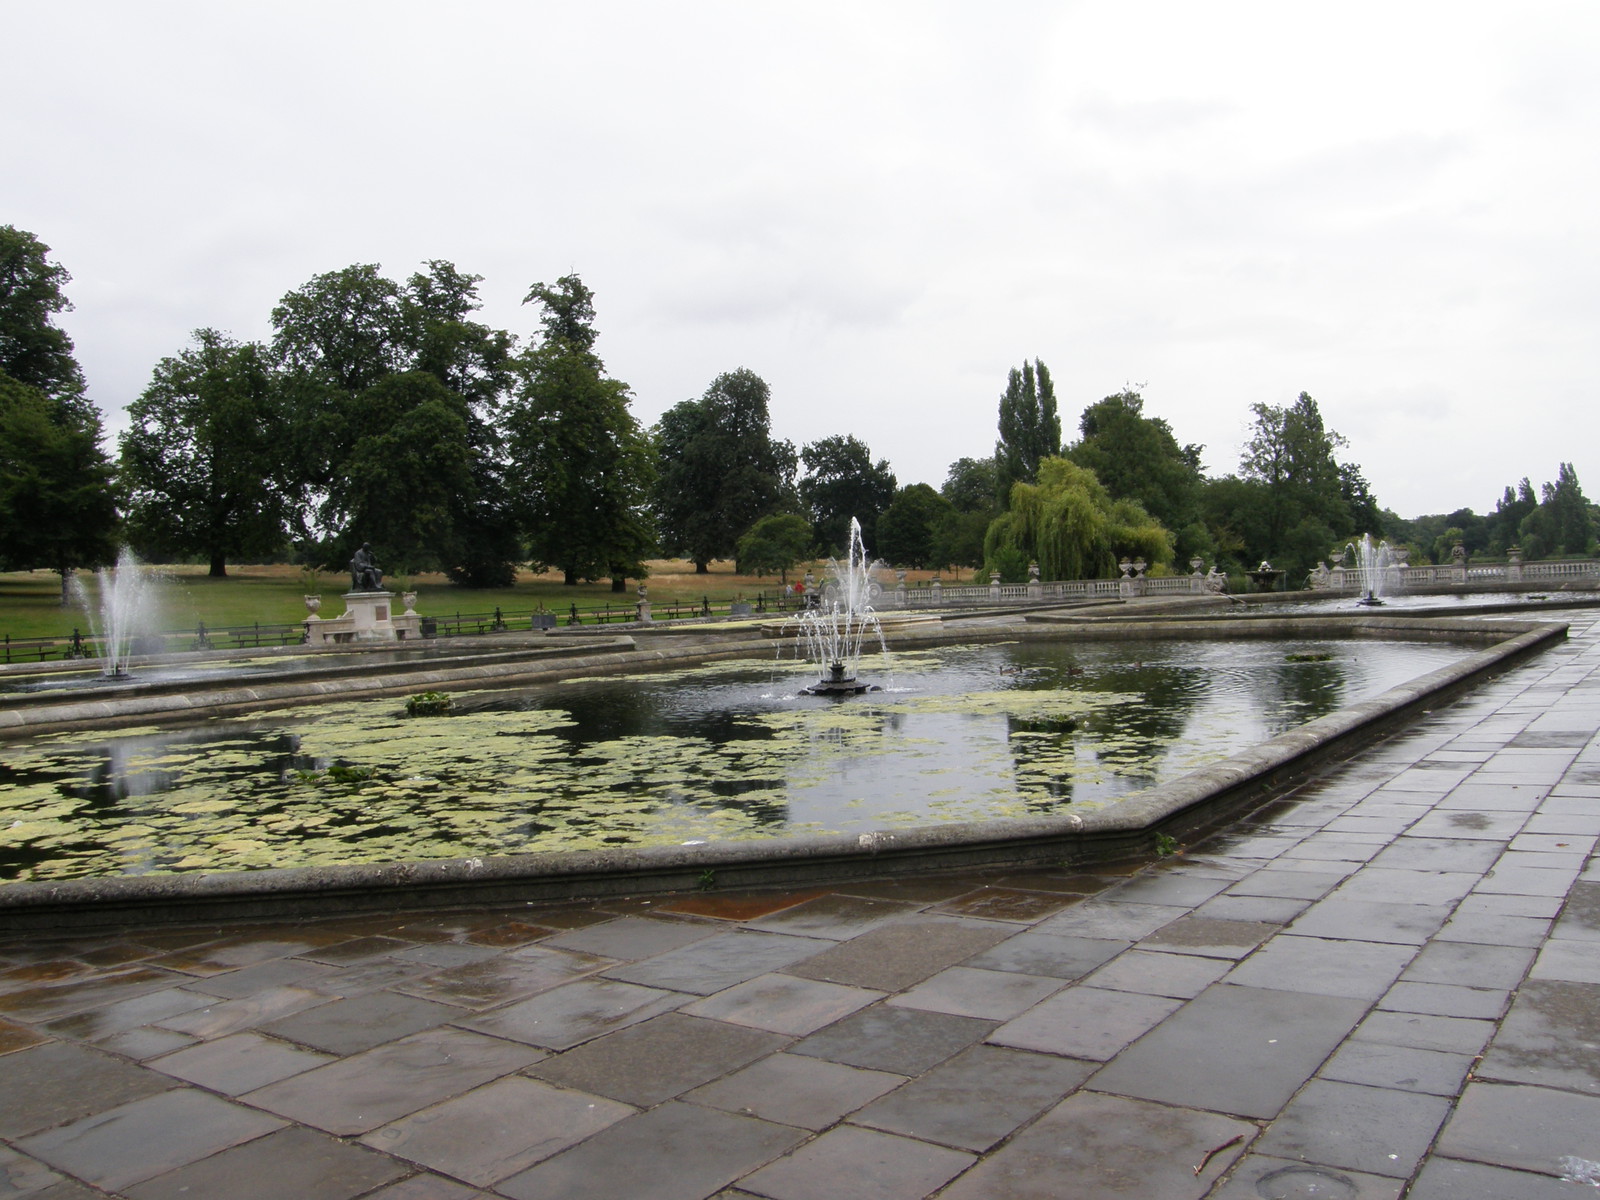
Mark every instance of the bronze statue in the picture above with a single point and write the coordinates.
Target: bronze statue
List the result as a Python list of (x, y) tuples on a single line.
[(364, 573)]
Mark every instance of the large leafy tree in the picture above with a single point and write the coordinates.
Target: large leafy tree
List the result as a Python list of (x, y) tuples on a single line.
[(775, 543), (202, 456), (584, 463), (721, 470), (1030, 427), (971, 486), (34, 351), (842, 482), (1136, 457), (58, 500), (1070, 525), (1564, 521), (1298, 490), (352, 348), (908, 530)]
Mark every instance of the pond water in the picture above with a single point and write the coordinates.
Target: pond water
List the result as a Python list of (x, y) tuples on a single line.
[(717, 752)]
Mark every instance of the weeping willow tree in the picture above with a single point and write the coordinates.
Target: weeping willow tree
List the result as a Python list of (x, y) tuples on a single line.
[(1068, 524)]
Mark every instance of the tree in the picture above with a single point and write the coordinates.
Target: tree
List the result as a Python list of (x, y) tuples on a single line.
[(1136, 457), (971, 487), (348, 332), (1301, 486), (58, 500), (1563, 523), (1030, 427), (202, 454), (842, 482), (33, 351), (1505, 523), (720, 468), (585, 465), (1069, 524), (775, 543), (908, 530)]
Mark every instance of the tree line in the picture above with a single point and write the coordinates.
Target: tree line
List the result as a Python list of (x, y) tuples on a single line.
[(381, 411)]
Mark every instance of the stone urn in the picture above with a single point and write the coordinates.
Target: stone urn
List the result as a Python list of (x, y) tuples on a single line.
[(409, 599), (313, 603)]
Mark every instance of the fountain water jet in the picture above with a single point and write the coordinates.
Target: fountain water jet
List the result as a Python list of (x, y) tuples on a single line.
[(1374, 561), (834, 631), (126, 610)]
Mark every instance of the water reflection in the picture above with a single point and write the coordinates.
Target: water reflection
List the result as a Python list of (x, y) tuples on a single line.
[(725, 751)]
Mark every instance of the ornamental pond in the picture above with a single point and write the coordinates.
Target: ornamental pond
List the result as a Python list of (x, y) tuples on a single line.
[(723, 751)]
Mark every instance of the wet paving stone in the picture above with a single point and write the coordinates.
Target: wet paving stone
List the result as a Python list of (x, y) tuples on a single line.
[(1438, 854), (55, 1082), (1580, 916), (675, 1152), (738, 906), (1168, 889), (509, 935), (1123, 921), (897, 956), (1272, 910), (17, 1037), (1572, 962), (906, 1041), (1374, 1130), (504, 978), (351, 1026), (791, 1089), (83, 994), (1325, 966), (357, 950), (498, 1129), (1257, 1177), (1095, 1146), (719, 962), (1469, 965), (574, 1013), (659, 1059), (1448, 1179), (244, 950), (977, 1098), (783, 1004), (1493, 929), (145, 1138), (1551, 1037), (1370, 921), (99, 1023), (292, 1162), (1085, 1022), (971, 992), (1391, 886), (222, 1017), (633, 937), (447, 954), (357, 1094), (1182, 976), (1525, 1129), (274, 973), (1209, 937), (238, 1064), (1058, 955), (23, 1176), (1445, 1000), (1287, 884), (428, 1187), (833, 916), (1491, 826), (1006, 904), (1452, 1034), (147, 1042), (862, 1164), (1403, 1068), (1192, 1058)]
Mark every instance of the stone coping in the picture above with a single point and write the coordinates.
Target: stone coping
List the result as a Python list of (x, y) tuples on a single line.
[(1199, 801)]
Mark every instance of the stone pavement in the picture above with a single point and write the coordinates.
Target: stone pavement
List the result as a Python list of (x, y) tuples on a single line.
[(1385, 984)]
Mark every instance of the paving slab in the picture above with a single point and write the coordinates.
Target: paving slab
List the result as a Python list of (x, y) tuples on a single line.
[(895, 956), (1526, 1129), (294, 1162), (1193, 1059), (1094, 1147), (658, 1059), (792, 1089), (1374, 1130), (718, 962), (55, 1082), (860, 1163), (1550, 1037), (906, 1041), (783, 1004), (674, 1152), (1258, 1177), (1086, 1022)]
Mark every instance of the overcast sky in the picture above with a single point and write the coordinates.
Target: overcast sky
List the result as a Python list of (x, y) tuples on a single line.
[(879, 208)]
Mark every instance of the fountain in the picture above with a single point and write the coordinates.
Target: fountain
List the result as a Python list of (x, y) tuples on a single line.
[(1374, 561), (834, 630), (126, 610)]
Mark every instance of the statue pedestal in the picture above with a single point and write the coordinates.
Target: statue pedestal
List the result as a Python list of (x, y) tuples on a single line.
[(368, 617)]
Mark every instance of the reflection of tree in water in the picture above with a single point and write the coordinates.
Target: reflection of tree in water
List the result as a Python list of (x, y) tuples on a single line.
[(1296, 692), (1125, 739)]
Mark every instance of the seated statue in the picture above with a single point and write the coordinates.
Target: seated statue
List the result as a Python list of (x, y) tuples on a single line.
[(364, 573)]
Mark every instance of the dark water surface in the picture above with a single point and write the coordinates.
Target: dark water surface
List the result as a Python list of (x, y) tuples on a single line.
[(718, 752)]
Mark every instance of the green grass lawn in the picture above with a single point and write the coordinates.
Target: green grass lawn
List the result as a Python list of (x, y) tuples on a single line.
[(275, 595)]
